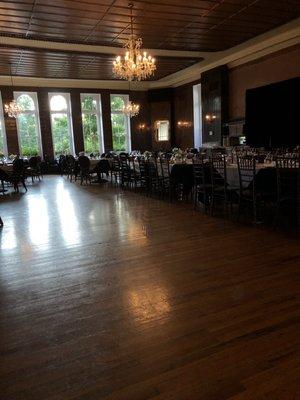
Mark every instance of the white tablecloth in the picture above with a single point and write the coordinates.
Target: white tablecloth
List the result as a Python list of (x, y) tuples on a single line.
[(233, 173)]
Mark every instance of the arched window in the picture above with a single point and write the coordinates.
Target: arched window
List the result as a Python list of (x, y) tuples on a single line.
[(28, 124), (92, 123), (61, 123), (120, 123), (3, 144)]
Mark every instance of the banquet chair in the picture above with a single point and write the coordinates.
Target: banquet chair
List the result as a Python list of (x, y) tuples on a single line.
[(143, 174), (19, 167), (13, 178), (134, 170), (247, 185), (115, 169), (84, 169), (126, 175), (71, 168), (154, 186), (288, 186), (202, 184), (219, 186), (165, 178), (34, 168)]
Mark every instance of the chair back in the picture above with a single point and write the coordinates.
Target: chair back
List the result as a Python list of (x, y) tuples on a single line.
[(124, 163), (164, 169), (18, 166), (247, 172), (288, 170), (199, 174), (218, 171), (84, 163), (116, 163), (33, 162), (142, 167), (70, 161), (152, 168)]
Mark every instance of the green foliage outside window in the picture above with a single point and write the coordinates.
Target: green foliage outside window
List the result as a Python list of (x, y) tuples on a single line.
[(27, 125), (118, 132), (28, 135), (118, 124), (90, 133), (116, 103), (90, 127), (61, 135), (89, 104)]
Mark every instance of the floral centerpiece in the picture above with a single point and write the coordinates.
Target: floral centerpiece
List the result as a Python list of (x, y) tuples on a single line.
[(147, 155), (178, 155)]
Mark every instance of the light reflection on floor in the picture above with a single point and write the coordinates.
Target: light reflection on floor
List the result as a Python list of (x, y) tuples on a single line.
[(38, 223), (49, 215), (67, 217)]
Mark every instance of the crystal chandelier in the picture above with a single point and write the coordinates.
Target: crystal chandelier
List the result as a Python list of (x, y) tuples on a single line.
[(134, 65), (131, 109), (12, 109)]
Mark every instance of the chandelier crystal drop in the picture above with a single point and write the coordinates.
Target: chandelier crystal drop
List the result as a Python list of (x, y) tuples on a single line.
[(131, 109), (136, 64), (12, 109)]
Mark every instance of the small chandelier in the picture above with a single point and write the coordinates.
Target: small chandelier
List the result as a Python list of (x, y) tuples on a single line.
[(134, 66), (131, 109), (12, 109)]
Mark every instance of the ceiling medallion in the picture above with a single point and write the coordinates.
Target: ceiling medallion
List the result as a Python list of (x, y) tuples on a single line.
[(134, 65), (12, 109)]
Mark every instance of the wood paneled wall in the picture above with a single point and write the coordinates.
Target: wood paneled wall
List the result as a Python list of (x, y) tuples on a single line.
[(276, 67), (184, 116), (161, 108), (141, 139), (214, 93), (141, 125)]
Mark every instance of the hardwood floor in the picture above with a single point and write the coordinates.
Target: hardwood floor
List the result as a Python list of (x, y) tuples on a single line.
[(111, 295)]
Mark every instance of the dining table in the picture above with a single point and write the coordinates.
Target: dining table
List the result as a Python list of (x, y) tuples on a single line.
[(7, 167)]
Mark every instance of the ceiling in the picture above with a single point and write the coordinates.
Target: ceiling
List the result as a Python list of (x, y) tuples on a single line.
[(74, 65), (200, 26)]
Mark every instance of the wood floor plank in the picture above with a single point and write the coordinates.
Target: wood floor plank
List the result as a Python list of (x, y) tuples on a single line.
[(108, 294)]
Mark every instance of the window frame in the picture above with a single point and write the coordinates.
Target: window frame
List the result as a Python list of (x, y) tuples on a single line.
[(36, 112), (126, 99), (157, 124), (2, 120), (68, 111), (99, 117)]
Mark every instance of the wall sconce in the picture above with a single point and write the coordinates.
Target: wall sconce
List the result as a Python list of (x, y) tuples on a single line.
[(210, 117), (184, 124), (141, 127)]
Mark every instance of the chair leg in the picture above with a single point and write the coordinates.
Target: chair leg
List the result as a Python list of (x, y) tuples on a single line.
[(24, 185)]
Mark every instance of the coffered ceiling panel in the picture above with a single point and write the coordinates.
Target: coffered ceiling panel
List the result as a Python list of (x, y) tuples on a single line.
[(209, 25), (72, 65)]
